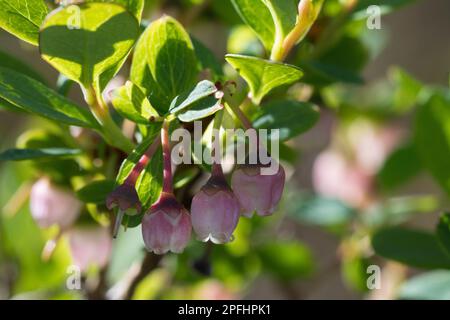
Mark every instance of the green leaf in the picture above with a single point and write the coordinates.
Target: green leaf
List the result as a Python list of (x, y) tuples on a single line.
[(96, 192), (201, 109), (23, 18), (207, 60), (286, 260), (284, 14), (290, 117), (33, 96), (257, 16), (131, 103), (201, 90), (432, 136), (129, 163), (91, 52), (134, 6), (354, 272), (434, 285), (11, 62), (411, 247), (401, 165), (321, 211), (263, 76), (443, 232), (164, 62), (149, 183), (30, 154)]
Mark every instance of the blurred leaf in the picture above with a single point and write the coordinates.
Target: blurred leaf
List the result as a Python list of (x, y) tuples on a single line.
[(207, 60), (134, 6), (32, 96), (432, 136), (263, 76), (434, 285), (386, 6), (242, 40), (400, 209), (443, 232), (322, 211), (128, 249), (354, 272), (401, 165), (96, 192), (321, 74), (286, 260), (30, 154), (131, 103), (411, 247), (200, 91), (23, 18), (106, 32), (256, 15), (290, 117), (164, 62), (182, 178)]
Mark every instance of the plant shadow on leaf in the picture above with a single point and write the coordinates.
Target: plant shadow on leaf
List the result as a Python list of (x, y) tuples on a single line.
[(63, 43)]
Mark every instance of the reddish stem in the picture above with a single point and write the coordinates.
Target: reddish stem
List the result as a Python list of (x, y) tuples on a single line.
[(143, 161), (167, 183)]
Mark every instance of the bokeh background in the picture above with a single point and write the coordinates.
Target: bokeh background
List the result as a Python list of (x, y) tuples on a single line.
[(299, 255)]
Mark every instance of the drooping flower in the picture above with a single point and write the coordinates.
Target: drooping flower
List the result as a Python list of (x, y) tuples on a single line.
[(90, 246), (257, 192), (125, 198), (167, 226), (215, 209), (51, 205)]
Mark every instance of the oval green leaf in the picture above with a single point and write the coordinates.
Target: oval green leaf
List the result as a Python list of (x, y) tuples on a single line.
[(87, 41)]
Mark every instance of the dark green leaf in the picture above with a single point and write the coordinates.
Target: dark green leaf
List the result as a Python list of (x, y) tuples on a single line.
[(30, 154), (411, 247), (33, 96), (200, 109), (386, 6), (401, 165), (200, 91), (96, 192), (432, 136), (11, 62), (207, 60), (290, 117), (91, 52), (23, 18), (164, 62), (131, 103), (443, 232), (263, 76)]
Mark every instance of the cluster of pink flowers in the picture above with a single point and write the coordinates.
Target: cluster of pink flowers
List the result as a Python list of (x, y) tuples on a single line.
[(215, 209)]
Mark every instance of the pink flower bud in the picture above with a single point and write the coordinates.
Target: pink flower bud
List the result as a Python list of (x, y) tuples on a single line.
[(50, 205), (90, 246), (167, 226), (257, 192), (126, 198), (215, 210)]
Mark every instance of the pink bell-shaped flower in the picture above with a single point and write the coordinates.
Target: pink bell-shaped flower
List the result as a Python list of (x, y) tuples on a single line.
[(90, 246), (256, 191), (167, 226), (215, 209), (51, 205)]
